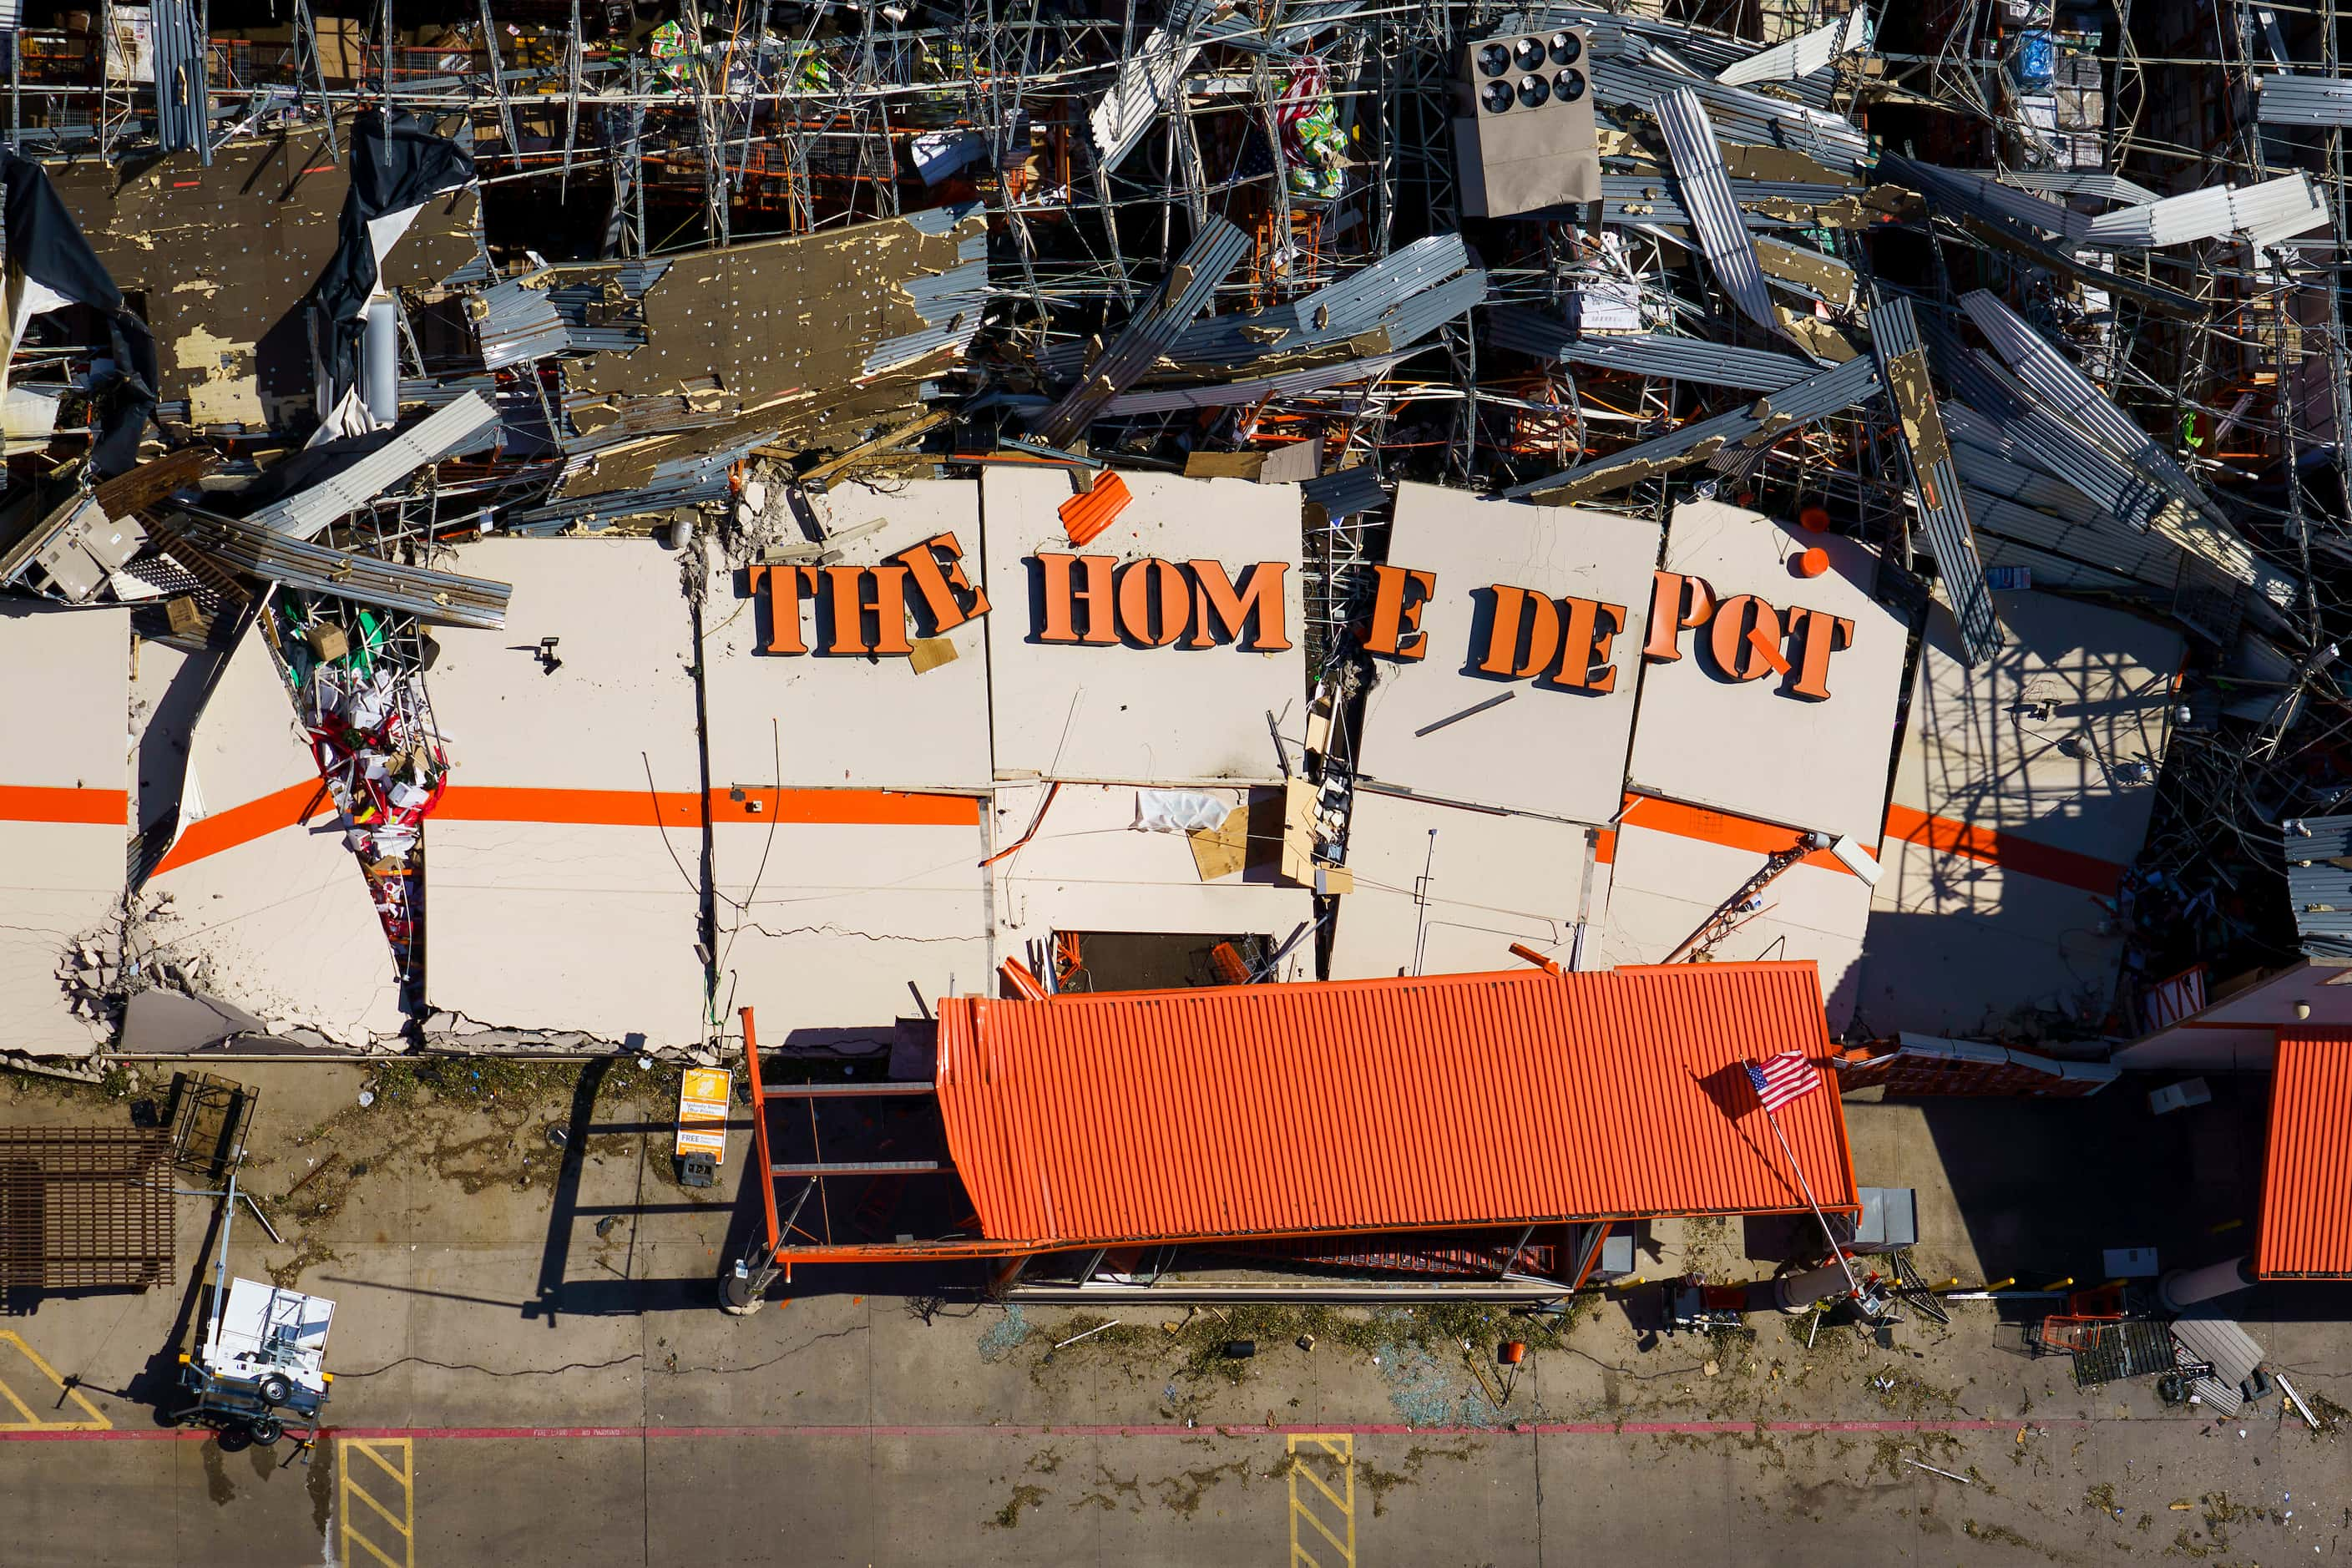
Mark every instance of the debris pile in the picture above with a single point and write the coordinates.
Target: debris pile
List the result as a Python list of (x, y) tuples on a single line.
[(2051, 405)]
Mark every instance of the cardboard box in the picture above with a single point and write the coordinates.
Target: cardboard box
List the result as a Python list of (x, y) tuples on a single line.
[(341, 48)]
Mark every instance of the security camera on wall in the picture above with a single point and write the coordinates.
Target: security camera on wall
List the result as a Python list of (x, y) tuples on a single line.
[(1522, 128)]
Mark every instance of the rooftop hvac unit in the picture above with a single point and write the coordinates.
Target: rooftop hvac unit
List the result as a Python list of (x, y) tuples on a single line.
[(1523, 132)]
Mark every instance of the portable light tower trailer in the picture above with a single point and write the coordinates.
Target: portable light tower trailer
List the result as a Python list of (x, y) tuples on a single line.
[(260, 1366)]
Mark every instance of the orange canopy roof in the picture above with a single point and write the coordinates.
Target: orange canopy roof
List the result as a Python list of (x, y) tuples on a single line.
[(1453, 1100), (2307, 1171)]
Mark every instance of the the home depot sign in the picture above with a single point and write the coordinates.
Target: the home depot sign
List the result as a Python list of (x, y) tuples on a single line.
[(1099, 600), (1571, 642)]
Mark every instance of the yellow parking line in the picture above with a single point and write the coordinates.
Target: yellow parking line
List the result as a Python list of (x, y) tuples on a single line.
[(1342, 1499), (96, 1422), (403, 1476)]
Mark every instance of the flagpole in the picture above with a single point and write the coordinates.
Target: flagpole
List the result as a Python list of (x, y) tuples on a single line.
[(1835, 1250)]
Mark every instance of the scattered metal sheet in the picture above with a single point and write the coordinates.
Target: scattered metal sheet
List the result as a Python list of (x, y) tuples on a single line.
[(1987, 196), (2051, 374), (514, 321), (2222, 1345), (1706, 188), (1140, 94), (438, 596), (2319, 883), (2080, 182), (1213, 254), (303, 516), (1644, 353), (1225, 394), (2271, 211), (1735, 113), (950, 304), (1346, 492), (1369, 297), (1802, 54), (1816, 397), (2291, 98), (1936, 485)]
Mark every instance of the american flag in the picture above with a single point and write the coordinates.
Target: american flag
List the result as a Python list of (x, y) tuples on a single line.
[(1781, 1079)]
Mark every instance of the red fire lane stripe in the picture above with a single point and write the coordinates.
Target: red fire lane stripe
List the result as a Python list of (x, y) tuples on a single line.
[(997, 1433)]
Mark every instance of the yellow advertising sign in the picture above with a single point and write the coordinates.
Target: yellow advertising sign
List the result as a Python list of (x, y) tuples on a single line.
[(702, 1099)]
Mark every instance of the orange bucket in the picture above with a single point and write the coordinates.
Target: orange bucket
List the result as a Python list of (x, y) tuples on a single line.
[(1510, 1353)]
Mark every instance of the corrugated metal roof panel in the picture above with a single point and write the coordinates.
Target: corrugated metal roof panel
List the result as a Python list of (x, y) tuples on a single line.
[(2079, 181), (1146, 83), (2211, 1337), (2319, 883), (2049, 570), (1215, 252), (2292, 100), (2307, 1170), (1802, 54), (2049, 372), (1936, 488), (517, 322), (1225, 394), (1816, 397), (1984, 196), (2115, 551), (1346, 491), (2272, 210), (1706, 188), (1737, 114), (1388, 293), (1530, 332), (1385, 1104), (304, 513)]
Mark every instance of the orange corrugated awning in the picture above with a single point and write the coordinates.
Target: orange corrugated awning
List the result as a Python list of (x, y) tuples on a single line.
[(1445, 1100), (2306, 1230)]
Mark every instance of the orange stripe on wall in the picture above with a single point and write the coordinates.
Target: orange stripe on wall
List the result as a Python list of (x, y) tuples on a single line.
[(244, 824), (2006, 850), (594, 807), (678, 808), (583, 807), (1719, 827), (40, 802)]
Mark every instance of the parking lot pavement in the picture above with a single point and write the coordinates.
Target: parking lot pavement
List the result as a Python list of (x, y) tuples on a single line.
[(514, 1386)]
